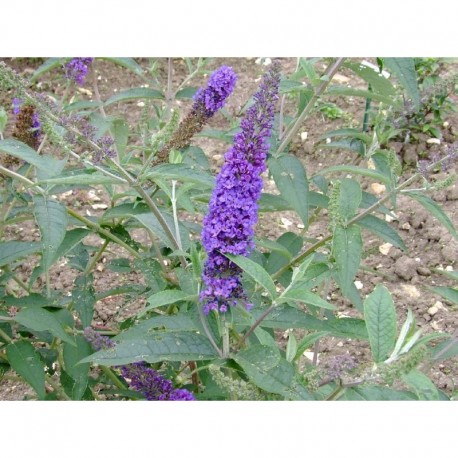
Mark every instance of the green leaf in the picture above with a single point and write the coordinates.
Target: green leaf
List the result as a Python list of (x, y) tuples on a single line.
[(404, 70), (347, 132), (127, 62), (347, 247), (179, 322), (292, 243), (83, 179), (78, 372), (350, 92), (291, 347), (255, 271), (135, 94), (379, 84), (83, 105), (155, 347), (380, 316), (307, 342), (381, 228), (300, 294), (291, 179), (26, 361), (18, 149), (32, 300), (376, 393), (435, 210), (12, 251), (120, 130), (186, 93), (273, 246), (51, 217), (287, 317), (39, 319), (353, 169), (143, 215), (169, 296), (450, 294), (182, 172), (84, 299), (349, 198), (278, 377), (46, 66), (422, 385)]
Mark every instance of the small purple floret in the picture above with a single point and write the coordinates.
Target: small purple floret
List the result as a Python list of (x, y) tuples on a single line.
[(233, 210), (77, 69)]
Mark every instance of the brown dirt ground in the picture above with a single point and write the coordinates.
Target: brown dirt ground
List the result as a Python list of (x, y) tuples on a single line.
[(406, 275)]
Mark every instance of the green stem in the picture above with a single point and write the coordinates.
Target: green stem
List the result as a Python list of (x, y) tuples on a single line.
[(96, 258), (292, 130), (366, 111), (103, 231), (112, 376)]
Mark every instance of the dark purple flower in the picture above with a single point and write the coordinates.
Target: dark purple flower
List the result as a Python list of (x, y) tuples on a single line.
[(340, 364), (141, 377), (233, 211), (152, 385), (219, 88), (77, 69)]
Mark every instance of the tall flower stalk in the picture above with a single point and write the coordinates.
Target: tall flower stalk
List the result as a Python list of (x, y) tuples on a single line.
[(233, 210)]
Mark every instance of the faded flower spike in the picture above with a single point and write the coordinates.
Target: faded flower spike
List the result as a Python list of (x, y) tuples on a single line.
[(28, 126), (77, 69), (233, 211), (141, 377), (206, 103)]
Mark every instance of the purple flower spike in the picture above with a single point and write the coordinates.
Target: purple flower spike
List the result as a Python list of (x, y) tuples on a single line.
[(77, 69), (233, 210), (219, 88)]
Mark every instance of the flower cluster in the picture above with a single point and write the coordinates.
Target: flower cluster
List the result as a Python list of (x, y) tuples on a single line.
[(339, 365), (445, 160), (206, 103), (28, 125), (229, 224), (141, 377), (219, 88), (77, 69)]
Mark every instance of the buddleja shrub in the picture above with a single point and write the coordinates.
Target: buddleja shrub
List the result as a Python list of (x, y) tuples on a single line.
[(215, 293)]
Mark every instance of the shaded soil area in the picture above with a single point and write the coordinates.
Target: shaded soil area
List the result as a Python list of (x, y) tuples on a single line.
[(407, 275)]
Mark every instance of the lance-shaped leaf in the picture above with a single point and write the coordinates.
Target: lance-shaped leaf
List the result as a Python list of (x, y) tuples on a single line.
[(12, 251), (155, 347), (404, 70), (347, 247), (46, 164), (268, 371), (291, 179), (39, 319), (78, 372), (380, 316), (51, 217), (134, 94), (255, 271), (169, 296), (26, 361)]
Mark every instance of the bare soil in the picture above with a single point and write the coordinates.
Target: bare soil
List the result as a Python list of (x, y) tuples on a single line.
[(406, 274)]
